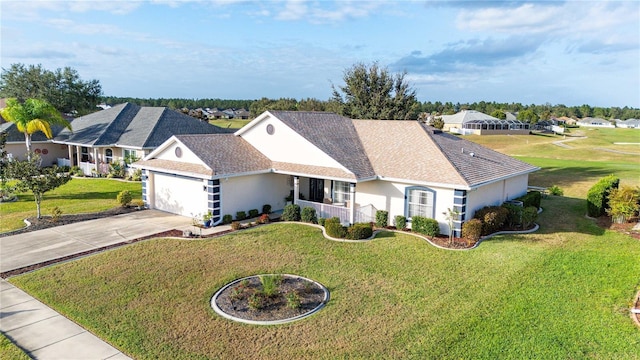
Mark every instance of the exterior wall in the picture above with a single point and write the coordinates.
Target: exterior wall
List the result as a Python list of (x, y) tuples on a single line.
[(244, 193), (286, 145), (53, 151), (496, 193)]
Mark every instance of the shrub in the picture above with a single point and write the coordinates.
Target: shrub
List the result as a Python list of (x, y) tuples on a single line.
[(493, 218), (136, 175), (359, 231), (514, 215), (293, 300), (382, 218), (529, 216), (334, 228), (241, 215), (597, 196), (309, 215), (266, 209), (400, 222), (255, 301), (75, 170), (291, 213), (235, 225), (124, 198), (264, 219), (55, 214), (137, 203), (532, 198), (623, 203), (117, 170), (270, 284), (321, 221), (472, 230), (555, 190), (227, 219), (253, 213), (423, 225)]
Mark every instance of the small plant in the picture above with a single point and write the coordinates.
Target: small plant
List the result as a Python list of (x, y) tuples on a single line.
[(136, 175), (255, 301), (138, 203), (293, 300), (124, 198), (308, 215), (264, 219), (321, 221), (266, 209), (117, 170), (425, 225), (55, 214), (238, 292), (623, 203), (382, 218), (400, 222), (555, 190), (270, 284), (235, 225), (227, 219), (291, 213), (253, 213), (241, 215), (451, 215)]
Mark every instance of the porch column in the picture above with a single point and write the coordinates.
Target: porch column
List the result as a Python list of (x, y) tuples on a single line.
[(296, 189), (352, 197), (70, 151), (95, 160), (78, 155)]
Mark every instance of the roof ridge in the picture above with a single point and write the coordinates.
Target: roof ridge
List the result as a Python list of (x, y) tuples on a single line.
[(430, 133), (118, 120)]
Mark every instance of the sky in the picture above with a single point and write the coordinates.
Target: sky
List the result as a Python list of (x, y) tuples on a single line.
[(529, 52)]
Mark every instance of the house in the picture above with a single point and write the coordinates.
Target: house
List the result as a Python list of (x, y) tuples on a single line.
[(339, 166), (595, 122), (468, 122), (629, 123), (123, 132)]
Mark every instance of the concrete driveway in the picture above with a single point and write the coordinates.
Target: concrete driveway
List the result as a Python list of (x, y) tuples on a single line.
[(38, 246)]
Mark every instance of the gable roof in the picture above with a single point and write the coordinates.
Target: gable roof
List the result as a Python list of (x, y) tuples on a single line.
[(465, 116), (130, 125)]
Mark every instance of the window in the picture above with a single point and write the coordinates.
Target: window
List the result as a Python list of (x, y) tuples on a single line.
[(84, 154), (419, 202), (341, 192), (130, 156), (108, 156)]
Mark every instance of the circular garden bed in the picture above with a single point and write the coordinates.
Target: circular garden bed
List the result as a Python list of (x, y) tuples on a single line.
[(269, 299)]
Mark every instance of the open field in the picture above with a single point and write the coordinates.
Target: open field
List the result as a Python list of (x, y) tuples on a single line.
[(80, 195), (229, 123)]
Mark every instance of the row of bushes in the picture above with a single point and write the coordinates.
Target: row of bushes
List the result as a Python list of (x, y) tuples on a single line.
[(333, 227), (382, 220), (491, 219), (532, 198), (242, 215)]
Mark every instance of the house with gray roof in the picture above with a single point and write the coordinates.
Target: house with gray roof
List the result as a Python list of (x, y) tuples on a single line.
[(468, 122), (629, 123), (339, 166), (123, 132), (595, 122)]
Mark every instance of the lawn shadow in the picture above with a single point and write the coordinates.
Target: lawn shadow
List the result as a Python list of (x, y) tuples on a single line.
[(566, 214), (567, 176)]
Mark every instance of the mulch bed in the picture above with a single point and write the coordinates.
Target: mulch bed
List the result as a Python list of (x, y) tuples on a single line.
[(235, 300), (625, 228)]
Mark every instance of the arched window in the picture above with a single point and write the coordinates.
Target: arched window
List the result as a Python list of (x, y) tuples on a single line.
[(108, 156), (419, 201)]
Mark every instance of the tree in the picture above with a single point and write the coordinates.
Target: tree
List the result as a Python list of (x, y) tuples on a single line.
[(31, 116), (499, 114), (62, 88), (32, 177), (372, 92), (528, 115)]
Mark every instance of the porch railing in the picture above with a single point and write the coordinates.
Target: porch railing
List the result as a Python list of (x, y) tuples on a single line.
[(362, 213)]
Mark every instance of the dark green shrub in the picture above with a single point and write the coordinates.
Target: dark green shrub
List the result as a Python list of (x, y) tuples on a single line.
[(241, 215), (472, 230), (334, 228), (227, 219), (597, 196), (321, 221), (400, 222), (359, 231), (514, 215), (266, 209), (492, 217), (291, 213), (529, 216), (423, 225), (253, 213), (308, 215), (124, 198), (532, 198), (382, 218)]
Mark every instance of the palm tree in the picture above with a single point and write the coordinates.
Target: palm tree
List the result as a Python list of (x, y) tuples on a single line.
[(32, 116)]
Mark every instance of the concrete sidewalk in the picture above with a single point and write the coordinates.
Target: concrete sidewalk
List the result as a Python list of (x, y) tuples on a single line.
[(40, 331)]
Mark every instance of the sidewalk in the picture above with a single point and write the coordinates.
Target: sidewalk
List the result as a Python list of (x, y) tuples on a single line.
[(39, 330)]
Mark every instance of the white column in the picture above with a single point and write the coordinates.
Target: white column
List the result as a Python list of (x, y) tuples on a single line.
[(296, 189), (70, 151), (352, 197), (95, 160), (78, 155)]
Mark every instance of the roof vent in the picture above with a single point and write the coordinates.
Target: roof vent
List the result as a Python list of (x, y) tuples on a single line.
[(472, 154)]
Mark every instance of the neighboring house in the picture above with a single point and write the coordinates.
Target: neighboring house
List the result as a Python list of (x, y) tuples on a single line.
[(629, 123), (595, 122), (124, 131), (341, 167), (474, 122)]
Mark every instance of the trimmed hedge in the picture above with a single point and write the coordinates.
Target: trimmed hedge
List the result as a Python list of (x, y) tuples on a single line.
[(291, 212), (253, 213), (334, 228), (309, 215), (266, 209), (514, 215), (227, 219), (529, 216), (400, 222), (359, 231), (382, 218), (425, 225), (492, 217), (472, 230), (241, 215), (597, 196), (532, 198)]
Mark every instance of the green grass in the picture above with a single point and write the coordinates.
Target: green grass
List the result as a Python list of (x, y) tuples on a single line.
[(559, 293), (80, 195), (9, 351), (229, 123)]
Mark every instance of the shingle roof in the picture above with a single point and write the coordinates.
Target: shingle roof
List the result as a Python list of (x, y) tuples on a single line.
[(13, 135), (465, 116), (333, 134), (134, 126)]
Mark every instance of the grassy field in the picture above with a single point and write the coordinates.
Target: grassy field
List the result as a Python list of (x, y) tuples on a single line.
[(80, 195), (229, 123)]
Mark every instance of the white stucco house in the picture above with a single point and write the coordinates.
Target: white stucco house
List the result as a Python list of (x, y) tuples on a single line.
[(468, 122), (342, 167), (595, 122)]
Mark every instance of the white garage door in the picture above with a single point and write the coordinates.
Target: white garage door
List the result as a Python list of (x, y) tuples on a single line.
[(179, 195)]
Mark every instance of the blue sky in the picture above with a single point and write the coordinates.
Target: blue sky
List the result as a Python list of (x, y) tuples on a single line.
[(572, 53)]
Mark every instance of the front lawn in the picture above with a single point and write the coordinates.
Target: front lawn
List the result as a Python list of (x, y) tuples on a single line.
[(80, 195), (563, 292)]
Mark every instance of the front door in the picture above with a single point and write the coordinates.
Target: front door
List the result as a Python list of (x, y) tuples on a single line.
[(316, 190)]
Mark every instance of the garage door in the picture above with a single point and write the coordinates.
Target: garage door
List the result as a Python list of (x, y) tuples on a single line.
[(179, 195)]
